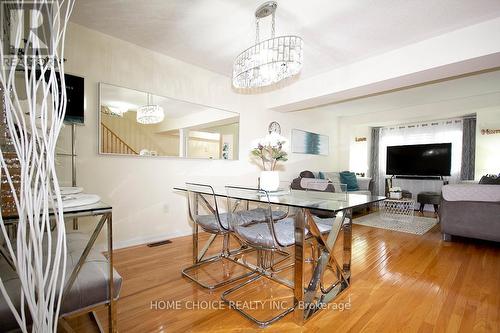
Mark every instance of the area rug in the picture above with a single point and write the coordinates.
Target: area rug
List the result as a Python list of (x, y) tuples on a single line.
[(419, 225)]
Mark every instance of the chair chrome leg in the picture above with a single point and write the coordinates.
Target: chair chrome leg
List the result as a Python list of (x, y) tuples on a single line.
[(223, 255), (233, 305), (242, 250), (186, 273), (274, 269), (314, 251)]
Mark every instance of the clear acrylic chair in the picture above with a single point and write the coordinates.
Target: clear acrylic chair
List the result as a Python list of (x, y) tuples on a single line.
[(274, 234), (204, 212)]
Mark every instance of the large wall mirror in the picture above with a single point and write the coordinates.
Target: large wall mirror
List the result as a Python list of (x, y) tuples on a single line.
[(137, 123)]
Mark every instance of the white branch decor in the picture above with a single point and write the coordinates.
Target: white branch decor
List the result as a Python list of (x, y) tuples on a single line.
[(33, 126)]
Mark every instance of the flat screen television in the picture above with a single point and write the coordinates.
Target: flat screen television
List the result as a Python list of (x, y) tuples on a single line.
[(419, 160), (75, 94)]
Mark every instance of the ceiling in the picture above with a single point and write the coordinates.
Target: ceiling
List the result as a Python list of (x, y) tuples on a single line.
[(483, 90), (211, 33)]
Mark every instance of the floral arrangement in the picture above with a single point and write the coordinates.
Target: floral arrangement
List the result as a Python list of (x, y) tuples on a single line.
[(270, 150), (396, 193)]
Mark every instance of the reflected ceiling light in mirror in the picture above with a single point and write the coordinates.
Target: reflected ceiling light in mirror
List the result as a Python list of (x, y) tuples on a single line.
[(271, 60), (112, 111), (115, 111), (117, 108), (150, 113)]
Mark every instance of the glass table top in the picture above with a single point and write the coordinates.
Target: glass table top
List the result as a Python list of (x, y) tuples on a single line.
[(93, 209), (327, 201)]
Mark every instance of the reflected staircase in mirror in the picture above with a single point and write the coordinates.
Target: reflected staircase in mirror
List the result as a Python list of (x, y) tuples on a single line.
[(137, 136), (112, 143)]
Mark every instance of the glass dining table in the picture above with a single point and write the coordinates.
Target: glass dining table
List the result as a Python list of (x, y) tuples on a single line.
[(310, 292)]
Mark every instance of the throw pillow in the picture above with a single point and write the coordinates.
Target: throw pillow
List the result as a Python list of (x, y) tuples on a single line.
[(490, 180), (349, 178), (321, 185), (334, 177), (306, 174)]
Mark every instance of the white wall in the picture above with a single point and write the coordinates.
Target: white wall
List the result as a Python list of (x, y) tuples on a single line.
[(355, 156), (487, 146), (145, 207)]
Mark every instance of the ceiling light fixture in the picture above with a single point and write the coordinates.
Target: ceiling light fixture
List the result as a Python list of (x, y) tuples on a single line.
[(150, 113), (113, 111), (271, 60)]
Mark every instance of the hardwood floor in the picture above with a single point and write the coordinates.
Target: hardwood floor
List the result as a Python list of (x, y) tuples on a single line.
[(400, 283)]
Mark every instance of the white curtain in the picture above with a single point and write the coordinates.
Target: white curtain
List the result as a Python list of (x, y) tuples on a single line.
[(443, 131)]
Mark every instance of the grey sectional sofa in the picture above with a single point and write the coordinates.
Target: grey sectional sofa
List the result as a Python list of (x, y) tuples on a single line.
[(365, 183), (470, 210)]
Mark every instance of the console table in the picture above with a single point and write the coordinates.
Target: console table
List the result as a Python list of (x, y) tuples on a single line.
[(105, 212)]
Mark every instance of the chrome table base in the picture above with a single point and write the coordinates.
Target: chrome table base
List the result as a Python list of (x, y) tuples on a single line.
[(315, 296)]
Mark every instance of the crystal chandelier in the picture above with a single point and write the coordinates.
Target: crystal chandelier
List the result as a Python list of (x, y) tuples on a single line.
[(150, 113), (271, 60)]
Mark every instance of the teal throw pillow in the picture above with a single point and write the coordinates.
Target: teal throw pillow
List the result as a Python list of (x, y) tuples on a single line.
[(349, 178)]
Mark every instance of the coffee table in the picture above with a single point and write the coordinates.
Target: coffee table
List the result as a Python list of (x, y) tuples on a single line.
[(398, 209)]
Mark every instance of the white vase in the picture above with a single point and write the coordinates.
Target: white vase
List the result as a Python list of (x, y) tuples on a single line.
[(269, 180)]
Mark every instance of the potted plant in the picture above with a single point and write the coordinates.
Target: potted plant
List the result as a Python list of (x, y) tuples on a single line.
[(268, 151), (395, 193)]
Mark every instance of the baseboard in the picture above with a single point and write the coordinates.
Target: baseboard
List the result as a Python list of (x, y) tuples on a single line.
[(149, 239)]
